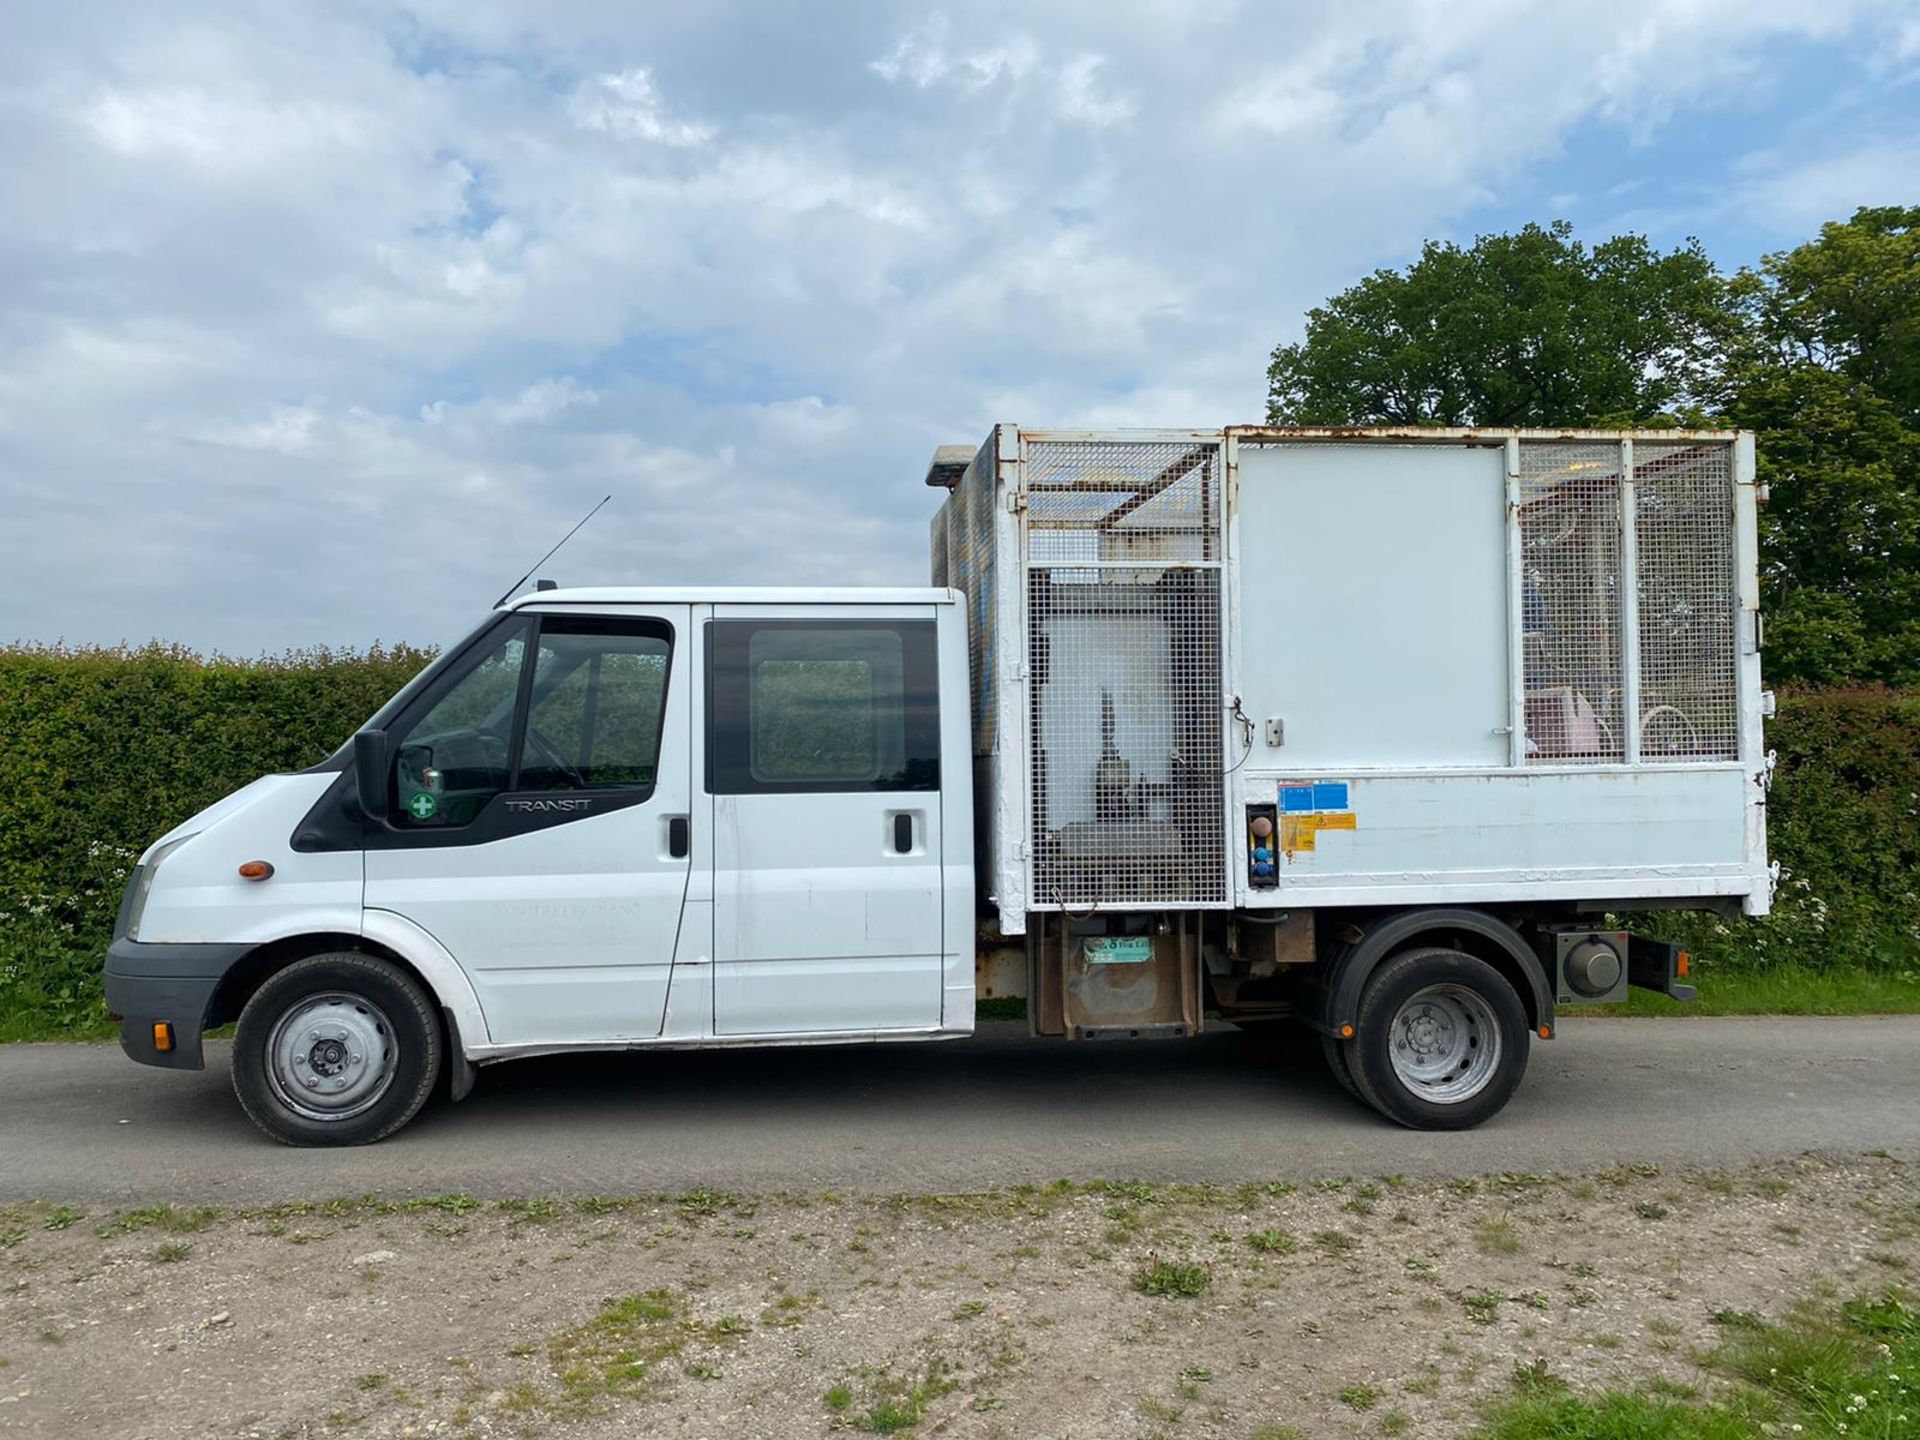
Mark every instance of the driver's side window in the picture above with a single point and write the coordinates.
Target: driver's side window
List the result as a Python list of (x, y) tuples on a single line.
[(599, 692), (459, 755), (594, 702)]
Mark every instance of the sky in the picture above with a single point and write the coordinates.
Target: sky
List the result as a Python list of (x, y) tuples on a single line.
[(320, 322)]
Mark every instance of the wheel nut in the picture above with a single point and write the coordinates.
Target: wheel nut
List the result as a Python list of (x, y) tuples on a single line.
[(313, 1082), (353, 1059)]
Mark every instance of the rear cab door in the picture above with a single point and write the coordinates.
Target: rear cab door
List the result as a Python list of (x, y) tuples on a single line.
[(823, 761)]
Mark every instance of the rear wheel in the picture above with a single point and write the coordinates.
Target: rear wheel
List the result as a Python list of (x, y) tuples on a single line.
[(1441, 1040), (337, 1049), (1335, 1053)]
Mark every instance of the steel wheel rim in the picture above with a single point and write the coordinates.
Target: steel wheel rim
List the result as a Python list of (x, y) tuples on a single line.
[(1444, 1043), (332, 1056)]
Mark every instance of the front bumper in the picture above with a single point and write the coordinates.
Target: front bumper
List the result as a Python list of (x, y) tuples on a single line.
[(175, 983)]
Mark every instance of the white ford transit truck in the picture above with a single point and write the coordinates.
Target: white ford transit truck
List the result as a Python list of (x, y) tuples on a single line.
[(1371, 731)]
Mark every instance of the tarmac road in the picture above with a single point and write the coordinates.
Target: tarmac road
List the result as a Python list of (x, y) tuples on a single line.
[(81, 1124)]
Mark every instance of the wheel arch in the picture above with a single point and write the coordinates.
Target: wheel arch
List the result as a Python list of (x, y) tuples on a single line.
[(1371, 940), (252, 970), (392, 938)]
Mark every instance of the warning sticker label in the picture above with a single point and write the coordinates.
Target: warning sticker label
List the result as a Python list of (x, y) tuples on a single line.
[(1307, 809)]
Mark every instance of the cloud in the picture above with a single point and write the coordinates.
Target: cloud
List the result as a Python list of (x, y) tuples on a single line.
[(925, 57), (922, 58), (623, 103), (218, 133), (288, 430), (919, 57), (1080, 97), (314, 320), (1792, 196), (538, 403)]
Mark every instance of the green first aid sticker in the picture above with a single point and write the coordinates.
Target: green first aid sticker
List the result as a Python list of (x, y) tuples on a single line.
[(422, 806)]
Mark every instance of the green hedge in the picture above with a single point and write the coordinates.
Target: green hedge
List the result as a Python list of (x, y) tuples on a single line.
[(102, 750), (1843, 820)]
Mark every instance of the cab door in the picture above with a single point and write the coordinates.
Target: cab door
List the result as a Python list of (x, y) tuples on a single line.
[(539, 822), (823, 763)]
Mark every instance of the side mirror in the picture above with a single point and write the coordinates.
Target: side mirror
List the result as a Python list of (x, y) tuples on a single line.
[(370, 772)]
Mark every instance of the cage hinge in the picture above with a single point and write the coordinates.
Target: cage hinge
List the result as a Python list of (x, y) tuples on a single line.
[(1016, 501), (1767, 767)]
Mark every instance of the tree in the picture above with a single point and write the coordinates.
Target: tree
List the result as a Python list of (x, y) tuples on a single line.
[(1530, 328), (1849, 302), (1826, 367)]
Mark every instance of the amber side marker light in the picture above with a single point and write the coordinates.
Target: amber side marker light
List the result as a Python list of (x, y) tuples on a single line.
[(256, 870), (1346, 1032), (1684, 965), (162, 1036)]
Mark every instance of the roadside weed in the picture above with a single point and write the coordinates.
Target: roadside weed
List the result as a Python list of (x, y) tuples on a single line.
[(1496, 1236), (1164, 1278)]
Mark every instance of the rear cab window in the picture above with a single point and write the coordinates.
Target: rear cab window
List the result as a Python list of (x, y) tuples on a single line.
[(810, 706)]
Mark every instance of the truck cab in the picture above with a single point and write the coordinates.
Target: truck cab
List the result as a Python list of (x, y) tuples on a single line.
[(606, 819)]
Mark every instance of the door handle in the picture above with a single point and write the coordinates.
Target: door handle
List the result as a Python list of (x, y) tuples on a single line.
[(903, 833), (679, 837)]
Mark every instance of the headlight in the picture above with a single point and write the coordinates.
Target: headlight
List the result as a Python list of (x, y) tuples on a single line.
[(143, 882)]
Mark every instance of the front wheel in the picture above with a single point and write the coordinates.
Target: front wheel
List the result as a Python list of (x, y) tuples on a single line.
[(1441, 1040), (336, 1049)]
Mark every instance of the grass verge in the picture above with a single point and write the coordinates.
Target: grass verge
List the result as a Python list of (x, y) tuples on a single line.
[(1786, 990), (1852, 1372), (30, 1028)]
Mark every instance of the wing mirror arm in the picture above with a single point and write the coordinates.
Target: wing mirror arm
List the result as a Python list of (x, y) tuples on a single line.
[(370, 773)]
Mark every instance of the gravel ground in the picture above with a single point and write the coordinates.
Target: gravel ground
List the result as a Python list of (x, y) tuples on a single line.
[(1341, 1308)]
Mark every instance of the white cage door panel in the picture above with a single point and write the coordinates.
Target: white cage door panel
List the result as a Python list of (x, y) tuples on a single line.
[(1373, 591)]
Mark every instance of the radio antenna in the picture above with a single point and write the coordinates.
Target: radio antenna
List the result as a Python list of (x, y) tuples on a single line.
[(550, 554)]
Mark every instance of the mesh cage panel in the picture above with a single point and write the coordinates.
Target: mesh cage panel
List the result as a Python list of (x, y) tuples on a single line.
[(1123, 500), (937, 546), (977, 565), (1570, 601), (1123, 622), (1683, 531), (963, 557)]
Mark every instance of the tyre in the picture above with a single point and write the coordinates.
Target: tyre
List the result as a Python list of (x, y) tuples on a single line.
[(1335, 1053), (1441, 1040), (336, 1049)]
